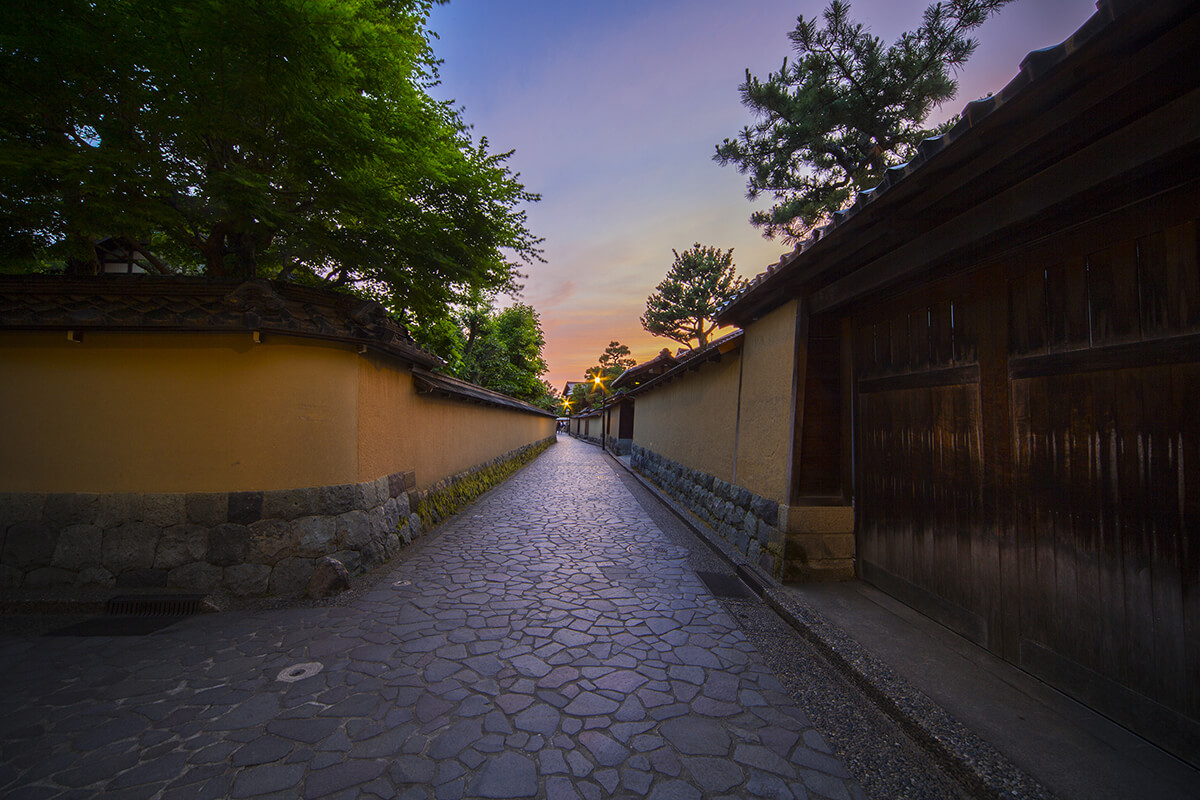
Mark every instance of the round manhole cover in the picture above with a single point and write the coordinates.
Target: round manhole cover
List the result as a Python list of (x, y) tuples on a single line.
[(298, 672)]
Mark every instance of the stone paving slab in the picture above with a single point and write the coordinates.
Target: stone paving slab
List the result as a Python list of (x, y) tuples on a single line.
[(549, 642)]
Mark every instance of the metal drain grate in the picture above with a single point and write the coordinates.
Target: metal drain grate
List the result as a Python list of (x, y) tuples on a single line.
[(723, 585), (136, 615), (154, 605)]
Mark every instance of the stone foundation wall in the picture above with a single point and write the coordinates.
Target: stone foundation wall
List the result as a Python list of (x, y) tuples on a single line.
[(237, 543), (240, 543), (745, 520), (618, 447)]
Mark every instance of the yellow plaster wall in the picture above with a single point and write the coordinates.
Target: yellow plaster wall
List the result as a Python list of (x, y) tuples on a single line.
[(151, 412), (693, 419), (402, 430), (768, 403)]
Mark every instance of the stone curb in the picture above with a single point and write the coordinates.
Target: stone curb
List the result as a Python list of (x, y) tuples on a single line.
[(979, 766)]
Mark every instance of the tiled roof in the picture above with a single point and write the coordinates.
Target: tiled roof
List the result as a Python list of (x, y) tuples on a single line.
[(431, 382), (152, 303), (1036, 65), (693, 360), (664, 360)]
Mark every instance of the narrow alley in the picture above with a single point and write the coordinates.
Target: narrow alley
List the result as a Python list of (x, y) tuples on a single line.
[(549, 641)]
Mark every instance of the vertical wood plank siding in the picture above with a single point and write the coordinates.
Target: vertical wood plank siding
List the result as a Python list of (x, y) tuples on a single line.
[(1093, 482)]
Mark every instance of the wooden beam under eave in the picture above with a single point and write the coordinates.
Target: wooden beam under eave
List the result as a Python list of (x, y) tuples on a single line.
[(1171, 130)]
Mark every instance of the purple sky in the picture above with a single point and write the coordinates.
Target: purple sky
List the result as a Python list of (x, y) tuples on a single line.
[(614, 110)]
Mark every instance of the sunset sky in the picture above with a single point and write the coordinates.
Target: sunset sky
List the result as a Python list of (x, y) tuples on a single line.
[(614, 110)]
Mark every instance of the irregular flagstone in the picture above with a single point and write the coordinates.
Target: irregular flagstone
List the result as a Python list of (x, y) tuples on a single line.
[(548, 641)]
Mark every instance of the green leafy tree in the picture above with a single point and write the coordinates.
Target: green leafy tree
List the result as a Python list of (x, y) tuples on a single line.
[(501, 350), (847, 108), (697, 285), (271, 138)]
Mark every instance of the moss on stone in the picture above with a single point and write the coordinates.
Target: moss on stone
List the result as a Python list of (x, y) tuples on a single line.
[(450, 496)]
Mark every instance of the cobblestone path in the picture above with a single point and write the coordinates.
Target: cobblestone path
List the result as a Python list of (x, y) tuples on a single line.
[(547, 642)]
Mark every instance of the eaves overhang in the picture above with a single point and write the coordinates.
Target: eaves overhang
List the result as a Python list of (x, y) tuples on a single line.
[(451, 388), (144, 303), (713, 351), (1113, 108)]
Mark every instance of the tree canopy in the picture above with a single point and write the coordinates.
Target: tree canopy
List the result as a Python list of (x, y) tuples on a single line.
[(615, 359), (697, 285), (241, 138), (847, 108), (499, 350)]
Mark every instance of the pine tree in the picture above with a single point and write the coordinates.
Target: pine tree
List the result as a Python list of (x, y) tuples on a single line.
[(832, 121), (699, 283)]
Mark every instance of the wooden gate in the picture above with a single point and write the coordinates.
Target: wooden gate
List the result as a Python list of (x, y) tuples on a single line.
[(1028, 469)]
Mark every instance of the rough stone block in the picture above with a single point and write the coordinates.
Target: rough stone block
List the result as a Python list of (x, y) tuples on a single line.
[(352, 559), (314, 535), (181, 544), (770, 536), (329, 577), (391, 546), (245, 507), (366, 495), (743, 498), (118, 508), (207, 508), (764, 509), (353, 531), (29, 545), (383, 488), (337, 499), (381, 524), (245, 580), (197, 577), (78, 547), (20, 507), (70, 508), (291, 503), (414, 525), (95, 576), (164, 509), (290, 576), (46, 577), (142, 579), (270, 540), (228, 545)]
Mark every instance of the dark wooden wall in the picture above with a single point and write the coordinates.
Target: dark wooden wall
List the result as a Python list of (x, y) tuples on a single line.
[(1027, 466)]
